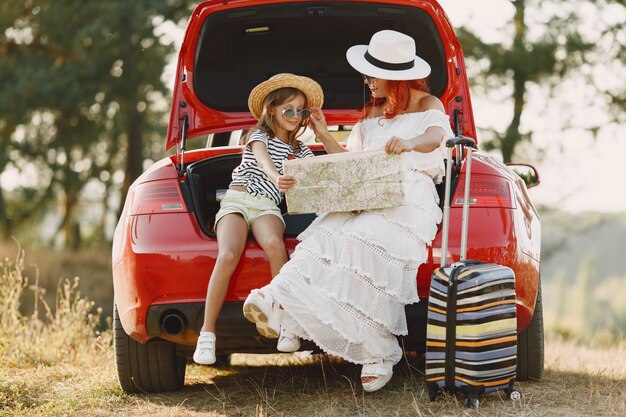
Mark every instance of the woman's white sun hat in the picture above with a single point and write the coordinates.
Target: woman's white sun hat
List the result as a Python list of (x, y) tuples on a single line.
[(390, 55)]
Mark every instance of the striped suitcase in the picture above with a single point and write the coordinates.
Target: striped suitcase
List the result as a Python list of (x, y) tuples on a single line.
[(471, 330)]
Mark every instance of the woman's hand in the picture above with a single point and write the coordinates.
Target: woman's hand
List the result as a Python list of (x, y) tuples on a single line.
[(396, 146), (285, 182), (317, 121)]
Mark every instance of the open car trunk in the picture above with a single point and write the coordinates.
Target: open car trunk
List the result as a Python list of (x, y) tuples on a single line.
[(237, 50), (233, 47), (237, 46)]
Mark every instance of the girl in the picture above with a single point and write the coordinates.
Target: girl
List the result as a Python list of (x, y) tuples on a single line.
[(349, 279), (251, 202)]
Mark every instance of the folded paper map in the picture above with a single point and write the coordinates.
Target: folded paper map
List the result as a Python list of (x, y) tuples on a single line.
[(345, 181)]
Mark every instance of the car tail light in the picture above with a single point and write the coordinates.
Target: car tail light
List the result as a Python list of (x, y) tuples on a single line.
[(485, 191), (157, 197)]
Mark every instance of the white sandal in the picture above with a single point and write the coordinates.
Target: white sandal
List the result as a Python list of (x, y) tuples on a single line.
[(260, 308), (381, 372)]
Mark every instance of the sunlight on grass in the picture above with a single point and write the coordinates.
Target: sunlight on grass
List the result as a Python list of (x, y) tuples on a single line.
[(576, 358), (278, 359)]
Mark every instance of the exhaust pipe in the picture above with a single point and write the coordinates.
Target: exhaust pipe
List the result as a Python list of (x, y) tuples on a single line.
[(173, 324)]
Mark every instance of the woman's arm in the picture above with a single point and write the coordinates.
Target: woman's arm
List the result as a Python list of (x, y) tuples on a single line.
[(283, 182), (426, 142), (318, 124)]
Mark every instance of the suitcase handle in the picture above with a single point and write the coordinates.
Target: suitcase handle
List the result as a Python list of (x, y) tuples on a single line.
[(461, 141)]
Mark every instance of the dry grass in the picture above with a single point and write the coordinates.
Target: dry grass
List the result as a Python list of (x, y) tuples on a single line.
[(578, 382), (46, 266), (267, 386), (60, 366)]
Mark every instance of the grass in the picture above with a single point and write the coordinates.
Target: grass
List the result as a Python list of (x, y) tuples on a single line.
[(54, 362), (266, 386), (46, 266)]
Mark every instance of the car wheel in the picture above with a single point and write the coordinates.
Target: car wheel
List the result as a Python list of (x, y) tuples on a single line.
[(146, 367), (530, 346)]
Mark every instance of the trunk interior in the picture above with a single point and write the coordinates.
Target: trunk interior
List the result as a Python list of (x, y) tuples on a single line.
[(208, 179), (237, 49)]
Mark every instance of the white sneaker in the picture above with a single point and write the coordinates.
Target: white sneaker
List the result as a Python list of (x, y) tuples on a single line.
[(205, 349), (287, 341), (260, 308)]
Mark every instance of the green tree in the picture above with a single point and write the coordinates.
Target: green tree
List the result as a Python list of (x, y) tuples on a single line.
[(82, 100), (545, 42)]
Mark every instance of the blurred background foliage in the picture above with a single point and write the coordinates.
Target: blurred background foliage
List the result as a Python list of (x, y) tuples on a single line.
[(545, 44), (84, 107)]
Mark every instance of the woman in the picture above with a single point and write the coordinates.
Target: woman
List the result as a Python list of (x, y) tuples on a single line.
[(349, 279)]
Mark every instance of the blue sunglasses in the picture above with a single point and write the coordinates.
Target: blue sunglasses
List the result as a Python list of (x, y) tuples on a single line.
[(291, 113)]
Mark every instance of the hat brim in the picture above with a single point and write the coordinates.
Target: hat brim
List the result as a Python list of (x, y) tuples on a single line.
[(309, 87), (356, 58)]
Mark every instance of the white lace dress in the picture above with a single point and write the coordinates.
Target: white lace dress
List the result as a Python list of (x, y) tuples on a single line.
[(347, 282)]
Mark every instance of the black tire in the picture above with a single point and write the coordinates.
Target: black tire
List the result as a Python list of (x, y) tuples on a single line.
[(530, 346), (150, 367)]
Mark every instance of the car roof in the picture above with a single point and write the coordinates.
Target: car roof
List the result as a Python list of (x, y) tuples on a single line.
[(229, 47)]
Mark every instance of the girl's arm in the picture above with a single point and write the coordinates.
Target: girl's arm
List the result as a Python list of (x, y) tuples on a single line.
[(318, 124), (259, 149)]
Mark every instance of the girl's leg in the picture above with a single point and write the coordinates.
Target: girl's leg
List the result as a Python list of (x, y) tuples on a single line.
[(232, 233), (268, 232)]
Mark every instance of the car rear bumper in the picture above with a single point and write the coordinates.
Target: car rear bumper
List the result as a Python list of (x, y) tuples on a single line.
[(181, 322)]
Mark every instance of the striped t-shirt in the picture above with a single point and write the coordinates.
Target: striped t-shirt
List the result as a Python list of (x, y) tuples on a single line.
[(249, 174)]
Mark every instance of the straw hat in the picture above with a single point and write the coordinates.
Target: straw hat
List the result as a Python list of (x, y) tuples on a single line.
[(390, 55), (311, 89)]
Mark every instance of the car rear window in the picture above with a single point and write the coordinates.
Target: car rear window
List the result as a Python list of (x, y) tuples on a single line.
[(240, 48)]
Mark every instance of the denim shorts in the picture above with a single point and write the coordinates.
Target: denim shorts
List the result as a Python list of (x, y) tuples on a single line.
[(249, 206)]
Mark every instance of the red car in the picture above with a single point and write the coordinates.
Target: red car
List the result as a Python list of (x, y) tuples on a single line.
[(164, 247)]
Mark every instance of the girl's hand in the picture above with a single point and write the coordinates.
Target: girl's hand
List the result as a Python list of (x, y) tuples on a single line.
[(317, 121), (285, 182), (396, 146)]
